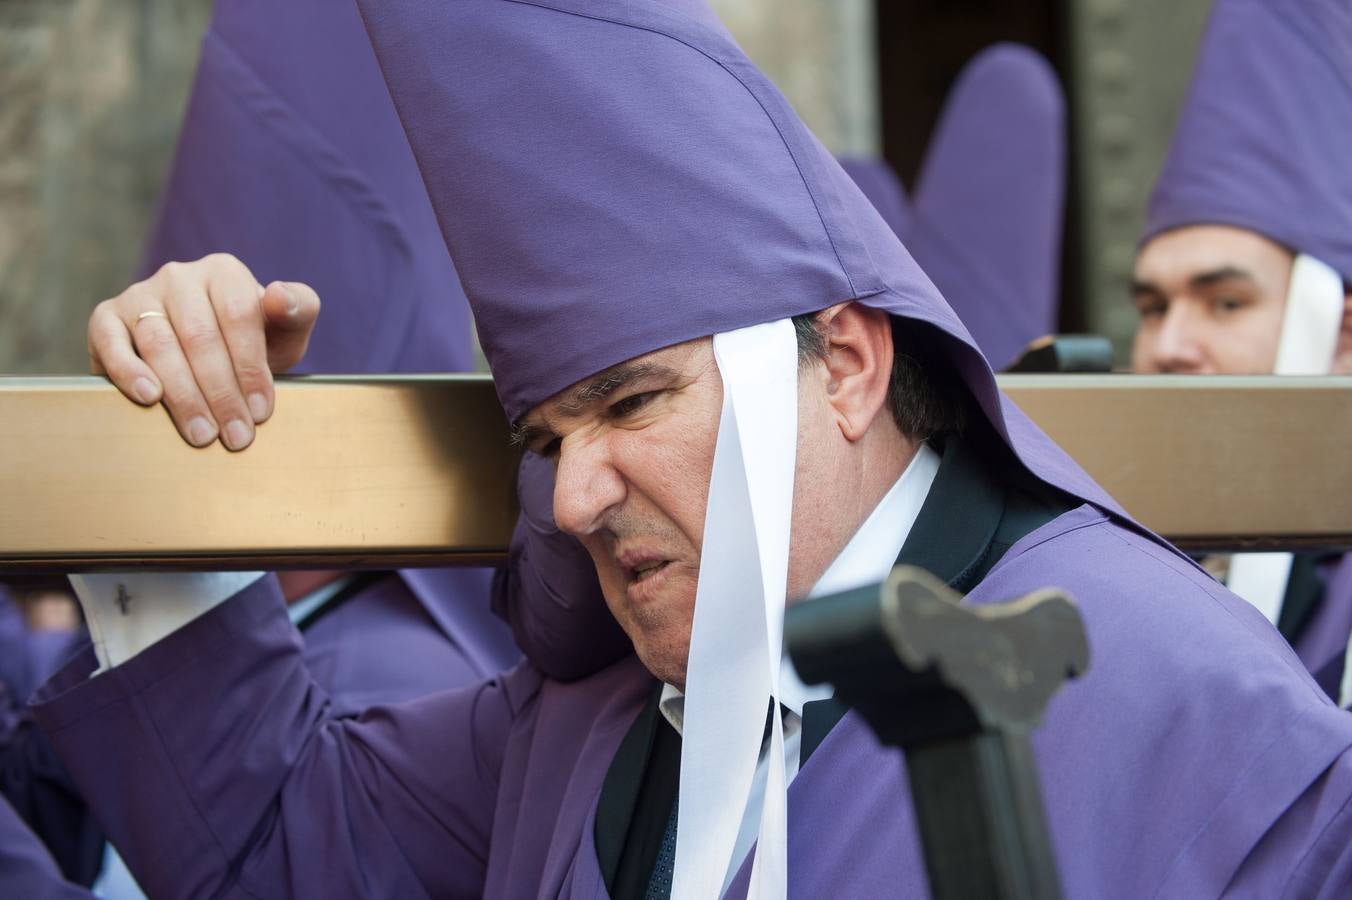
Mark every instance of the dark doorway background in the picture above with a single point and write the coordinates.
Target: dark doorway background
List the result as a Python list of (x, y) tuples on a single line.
[(923, 45)]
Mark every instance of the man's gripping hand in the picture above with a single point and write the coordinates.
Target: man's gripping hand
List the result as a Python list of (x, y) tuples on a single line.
[(205, 337)]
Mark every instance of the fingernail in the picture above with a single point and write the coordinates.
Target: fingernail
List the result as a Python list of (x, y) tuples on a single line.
[(200, 431), (144, 390), (237, 435), (258, 407), (292, 301)]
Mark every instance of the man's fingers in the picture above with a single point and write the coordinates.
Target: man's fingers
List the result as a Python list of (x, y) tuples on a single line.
[(111, 353), (155, 341), (236, 298), (194, 320), (290, 309), (205, 338)]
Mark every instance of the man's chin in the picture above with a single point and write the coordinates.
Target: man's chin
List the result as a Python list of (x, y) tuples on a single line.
[(667, 663)]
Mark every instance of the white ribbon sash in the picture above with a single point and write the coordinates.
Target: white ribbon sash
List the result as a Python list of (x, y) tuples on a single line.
[(1313, 316), (1309, 339), (735, 643)]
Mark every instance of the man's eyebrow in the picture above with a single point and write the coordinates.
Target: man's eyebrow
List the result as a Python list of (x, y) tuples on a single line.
[(526, 434), (1139, 287), (607, 383), (1223, 273)]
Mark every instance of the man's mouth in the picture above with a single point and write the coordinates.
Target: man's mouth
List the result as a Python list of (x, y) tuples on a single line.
[(639, 565), (647, 570)]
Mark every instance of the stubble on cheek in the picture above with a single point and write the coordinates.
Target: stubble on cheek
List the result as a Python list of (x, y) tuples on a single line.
[(659, 628)]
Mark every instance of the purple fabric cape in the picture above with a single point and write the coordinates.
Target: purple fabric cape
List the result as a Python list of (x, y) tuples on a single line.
[(391, 642), (548, 589), (1196, 733), (1262, 138), (986, 218), (27, 872)]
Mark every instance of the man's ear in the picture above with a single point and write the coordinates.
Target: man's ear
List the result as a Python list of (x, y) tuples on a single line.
[(1342, 356), (858, 364)]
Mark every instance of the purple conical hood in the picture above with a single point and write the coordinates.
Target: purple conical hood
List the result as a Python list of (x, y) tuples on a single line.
[(986, 217), (615, 177), (883, 189), (1264, 141), (291, 156)]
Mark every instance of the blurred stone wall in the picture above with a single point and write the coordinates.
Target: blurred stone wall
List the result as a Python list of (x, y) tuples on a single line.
[(1131, 61), (822, 55), (91, 94)]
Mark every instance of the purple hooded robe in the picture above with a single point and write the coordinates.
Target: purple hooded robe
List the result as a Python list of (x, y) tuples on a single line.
[(614, 176), (985, 223), (1262, 144), (292, 158)]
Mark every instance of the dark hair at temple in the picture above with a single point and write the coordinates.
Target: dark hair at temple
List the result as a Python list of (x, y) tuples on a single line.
[(927, 398)]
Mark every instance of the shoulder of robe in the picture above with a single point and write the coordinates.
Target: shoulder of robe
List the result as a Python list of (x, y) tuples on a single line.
[(1153, 618)]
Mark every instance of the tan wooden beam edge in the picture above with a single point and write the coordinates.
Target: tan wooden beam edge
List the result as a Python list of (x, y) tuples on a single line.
[(383, 472)]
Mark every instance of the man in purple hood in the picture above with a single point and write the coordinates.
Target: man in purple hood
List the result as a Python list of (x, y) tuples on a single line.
[(689, 307), (1245, 266)]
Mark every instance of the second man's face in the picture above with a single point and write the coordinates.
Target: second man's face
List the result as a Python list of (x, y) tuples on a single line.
[(1211, 300)]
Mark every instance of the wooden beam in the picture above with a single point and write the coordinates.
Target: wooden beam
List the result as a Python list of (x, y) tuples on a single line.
[(1211, 462), (382, 472), (361, 472)]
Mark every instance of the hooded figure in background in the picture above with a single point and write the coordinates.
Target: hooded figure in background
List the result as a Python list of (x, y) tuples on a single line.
[(1245, 266), (749, 392), (985, 224), (296, 163)]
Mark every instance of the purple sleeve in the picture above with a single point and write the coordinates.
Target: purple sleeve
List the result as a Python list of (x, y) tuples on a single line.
[(1316, 834), (218, 768), (548, 590), (37, 787), (25, 868)]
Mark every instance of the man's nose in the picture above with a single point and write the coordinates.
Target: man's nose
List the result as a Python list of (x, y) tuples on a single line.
[(586, 485), (1178, 343)]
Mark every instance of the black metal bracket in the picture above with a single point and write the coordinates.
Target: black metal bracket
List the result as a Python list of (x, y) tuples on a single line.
[(959, 688)]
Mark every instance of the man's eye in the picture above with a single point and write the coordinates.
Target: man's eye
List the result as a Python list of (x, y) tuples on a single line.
[(1151, 309), (630, 405), (549, 449), (1229, 304)]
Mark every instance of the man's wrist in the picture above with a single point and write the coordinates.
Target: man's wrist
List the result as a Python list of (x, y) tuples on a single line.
[(129, 611)]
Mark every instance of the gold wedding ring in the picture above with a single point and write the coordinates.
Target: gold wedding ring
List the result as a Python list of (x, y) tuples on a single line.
[(150, 313)]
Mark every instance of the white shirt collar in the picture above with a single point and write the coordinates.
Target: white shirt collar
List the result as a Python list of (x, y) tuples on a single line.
[(866, 559), (312, 601)]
